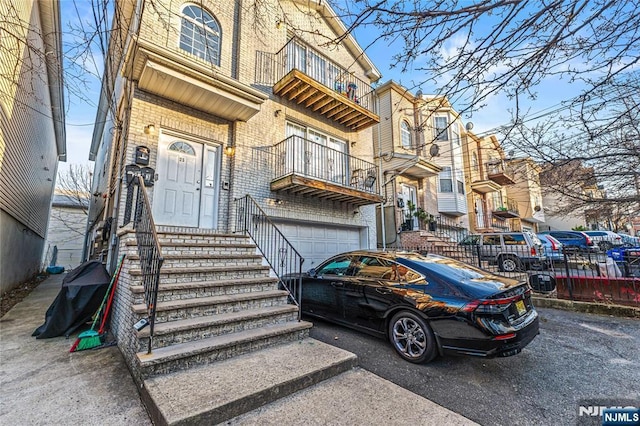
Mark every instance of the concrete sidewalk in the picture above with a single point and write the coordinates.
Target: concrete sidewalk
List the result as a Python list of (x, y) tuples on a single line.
[(41, 383)]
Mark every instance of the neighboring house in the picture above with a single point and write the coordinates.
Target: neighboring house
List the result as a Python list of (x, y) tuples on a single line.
[(219, 106), (67, 229), (562, 184), (419, 151), (32, 132), (527, 193), (488, 179)]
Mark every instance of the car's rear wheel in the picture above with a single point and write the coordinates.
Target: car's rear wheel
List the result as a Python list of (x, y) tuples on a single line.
[(509, 263), (605, 245), (412, 337)]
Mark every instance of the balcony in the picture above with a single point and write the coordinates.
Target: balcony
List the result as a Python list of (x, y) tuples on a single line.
[(497, 172), (508, 210), (303, 167), (308, 78)]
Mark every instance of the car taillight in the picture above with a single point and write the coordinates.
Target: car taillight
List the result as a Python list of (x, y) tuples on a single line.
[(554, 246), (492, 306), (589, 242), (533, 251)]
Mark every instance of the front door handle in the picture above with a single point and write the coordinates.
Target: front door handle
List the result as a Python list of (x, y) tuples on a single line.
[(337, 284), (384, 290)]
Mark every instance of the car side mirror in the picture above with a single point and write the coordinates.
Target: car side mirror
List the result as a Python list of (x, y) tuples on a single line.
[(312, 272)]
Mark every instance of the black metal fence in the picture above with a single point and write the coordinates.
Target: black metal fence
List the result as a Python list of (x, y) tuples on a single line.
[(300, 156), (595, 276), (284, 260), (148, 246), (296, 54)]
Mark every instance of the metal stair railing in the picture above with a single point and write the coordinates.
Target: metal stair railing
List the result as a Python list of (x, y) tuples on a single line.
[(148, 246), (281, 256)]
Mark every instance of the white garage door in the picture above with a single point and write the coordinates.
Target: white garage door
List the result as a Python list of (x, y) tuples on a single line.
[(317, 242)]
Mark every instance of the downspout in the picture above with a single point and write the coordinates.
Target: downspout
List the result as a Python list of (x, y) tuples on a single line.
[(381, 178)]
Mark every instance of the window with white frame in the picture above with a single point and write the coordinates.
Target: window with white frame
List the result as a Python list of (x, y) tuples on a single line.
[(200, 34), (441, 125), (460, 181), (455, 134), (405, 135), (446, 183)]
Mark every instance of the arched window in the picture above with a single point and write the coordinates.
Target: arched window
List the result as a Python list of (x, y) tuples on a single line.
[(405, 135), (474, 161), (200, 34), (182, 148)]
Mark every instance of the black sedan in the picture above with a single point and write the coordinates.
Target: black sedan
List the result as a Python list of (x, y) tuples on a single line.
[(424, 304)]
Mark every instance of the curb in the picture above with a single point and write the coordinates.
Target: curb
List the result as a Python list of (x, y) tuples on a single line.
[(587, 307)]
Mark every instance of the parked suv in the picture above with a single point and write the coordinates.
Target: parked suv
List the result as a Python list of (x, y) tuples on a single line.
[(573, 240), (606, 240), (511, 251)]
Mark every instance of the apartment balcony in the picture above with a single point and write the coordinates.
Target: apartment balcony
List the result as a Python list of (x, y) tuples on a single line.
[(508, 210), (498, 173), (303, 167), (302, 75)]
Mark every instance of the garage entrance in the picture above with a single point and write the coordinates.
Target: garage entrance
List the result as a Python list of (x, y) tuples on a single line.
[(317, 242)]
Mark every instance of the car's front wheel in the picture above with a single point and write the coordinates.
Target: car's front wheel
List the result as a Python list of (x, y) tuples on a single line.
[(412, 337)]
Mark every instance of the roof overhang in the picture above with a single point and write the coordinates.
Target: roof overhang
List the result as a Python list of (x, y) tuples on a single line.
[(173, 77), (413, 165), (485, 186)]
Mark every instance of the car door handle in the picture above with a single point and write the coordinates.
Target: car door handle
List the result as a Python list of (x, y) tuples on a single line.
[(384, 290), (337, 284)]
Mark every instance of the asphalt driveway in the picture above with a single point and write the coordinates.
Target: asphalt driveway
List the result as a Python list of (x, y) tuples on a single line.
[(577, 359)]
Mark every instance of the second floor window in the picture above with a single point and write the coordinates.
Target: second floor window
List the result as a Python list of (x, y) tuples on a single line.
[(405, 135), (441, 127), (446, 183), (200, 34)]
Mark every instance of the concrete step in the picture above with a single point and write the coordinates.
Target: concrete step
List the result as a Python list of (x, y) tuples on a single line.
[(186, 355), (175, 260), (175, 310), (192, 329), (202, 247), (184, 274), (177, 291), (214, 393)]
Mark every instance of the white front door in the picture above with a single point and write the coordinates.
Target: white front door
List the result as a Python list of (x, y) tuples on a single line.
[(185, 192)]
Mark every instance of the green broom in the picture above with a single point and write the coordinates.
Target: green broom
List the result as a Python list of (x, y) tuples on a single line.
[(91, 338)]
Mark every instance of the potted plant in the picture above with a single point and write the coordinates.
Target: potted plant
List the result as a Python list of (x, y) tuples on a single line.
[(432, 224)]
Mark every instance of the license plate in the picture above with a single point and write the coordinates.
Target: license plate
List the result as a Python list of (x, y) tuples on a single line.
[(520, 307)]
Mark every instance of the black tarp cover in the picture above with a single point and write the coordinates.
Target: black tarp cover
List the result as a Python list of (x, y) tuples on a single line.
[(79, 298)]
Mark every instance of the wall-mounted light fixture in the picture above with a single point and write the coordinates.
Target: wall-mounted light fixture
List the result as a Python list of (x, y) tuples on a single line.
[(230, 150), (149, 129), (353, 143), (277, 113), (278, 23)]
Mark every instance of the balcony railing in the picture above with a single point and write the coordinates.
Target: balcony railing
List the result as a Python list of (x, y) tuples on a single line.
[(303, 75), (508, 209), (497, 172), (304, 166)]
